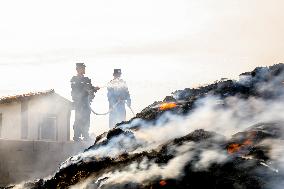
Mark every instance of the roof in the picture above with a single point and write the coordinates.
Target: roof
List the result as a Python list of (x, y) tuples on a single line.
[(27, 96)]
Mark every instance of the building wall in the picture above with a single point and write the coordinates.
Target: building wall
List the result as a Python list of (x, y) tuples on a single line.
[(28, 160), (24, 123), (11, 120), (52, 105)]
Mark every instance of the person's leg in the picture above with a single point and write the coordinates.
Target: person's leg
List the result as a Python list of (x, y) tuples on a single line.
[(76, 126), (121, 114), (117, 115), (111, 120), (86, 126)]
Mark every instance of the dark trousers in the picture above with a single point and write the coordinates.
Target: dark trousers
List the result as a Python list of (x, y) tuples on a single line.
[(82, 123)]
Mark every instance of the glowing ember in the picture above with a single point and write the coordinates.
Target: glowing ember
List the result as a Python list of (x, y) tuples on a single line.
[(163, 183), (233, 148), (167, 105)]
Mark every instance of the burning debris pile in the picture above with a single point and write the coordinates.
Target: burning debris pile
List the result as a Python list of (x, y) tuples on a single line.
[(225, 135), (262, 82)]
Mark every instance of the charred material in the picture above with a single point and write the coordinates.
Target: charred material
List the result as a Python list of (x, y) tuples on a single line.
[(202, 159), (252, 86), (105, 138), (235, 172)]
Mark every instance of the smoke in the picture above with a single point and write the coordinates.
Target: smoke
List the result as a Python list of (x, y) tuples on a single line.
[(211, 156), (225, 117), (276, 163), (147, 170), (212, 113), (116, 146), (45, 118)]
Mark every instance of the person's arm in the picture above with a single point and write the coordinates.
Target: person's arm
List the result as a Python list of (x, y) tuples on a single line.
[(95, 89), (74, 89), (110, 96), (127, 96), (90, 88), (113, 94), (128, 99)]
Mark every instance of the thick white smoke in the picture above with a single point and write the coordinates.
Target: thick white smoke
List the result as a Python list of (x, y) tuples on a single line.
[(139, 172), (223, 116), (212, 114)]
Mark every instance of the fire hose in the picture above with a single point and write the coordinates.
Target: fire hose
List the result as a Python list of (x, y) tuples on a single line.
[(110, 110)]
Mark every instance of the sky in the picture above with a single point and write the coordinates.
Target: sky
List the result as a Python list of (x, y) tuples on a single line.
[(160, 45)]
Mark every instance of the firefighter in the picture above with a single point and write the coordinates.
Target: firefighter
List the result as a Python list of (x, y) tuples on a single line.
[(118, 96), (82, 94)]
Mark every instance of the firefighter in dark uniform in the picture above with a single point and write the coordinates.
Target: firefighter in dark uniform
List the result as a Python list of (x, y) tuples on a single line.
[(82, 94), (118, 96)]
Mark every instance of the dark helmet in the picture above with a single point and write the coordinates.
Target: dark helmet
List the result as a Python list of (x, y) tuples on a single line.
[(117, 72), (79, 65)]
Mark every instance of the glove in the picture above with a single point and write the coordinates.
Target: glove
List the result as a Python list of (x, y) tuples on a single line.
[(96, 89)]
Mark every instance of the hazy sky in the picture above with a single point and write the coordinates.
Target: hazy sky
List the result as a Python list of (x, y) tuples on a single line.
[(161, 45)]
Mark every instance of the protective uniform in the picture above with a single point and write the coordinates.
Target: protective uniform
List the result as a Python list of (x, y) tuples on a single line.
[(118, 95), (82, 93)]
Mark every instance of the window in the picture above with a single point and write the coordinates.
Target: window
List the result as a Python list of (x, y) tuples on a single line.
[(48, 128)]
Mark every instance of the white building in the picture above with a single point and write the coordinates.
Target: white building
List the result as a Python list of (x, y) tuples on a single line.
[(35, 116)]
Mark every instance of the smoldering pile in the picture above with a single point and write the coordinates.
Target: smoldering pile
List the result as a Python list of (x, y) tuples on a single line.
[(225, 135)]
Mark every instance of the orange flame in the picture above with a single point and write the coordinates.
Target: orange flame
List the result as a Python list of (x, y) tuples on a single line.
[(233, 148), (167, 106), (163, 183)]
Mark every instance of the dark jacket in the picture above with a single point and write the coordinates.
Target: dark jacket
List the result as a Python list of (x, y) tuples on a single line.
[(82, 90)]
